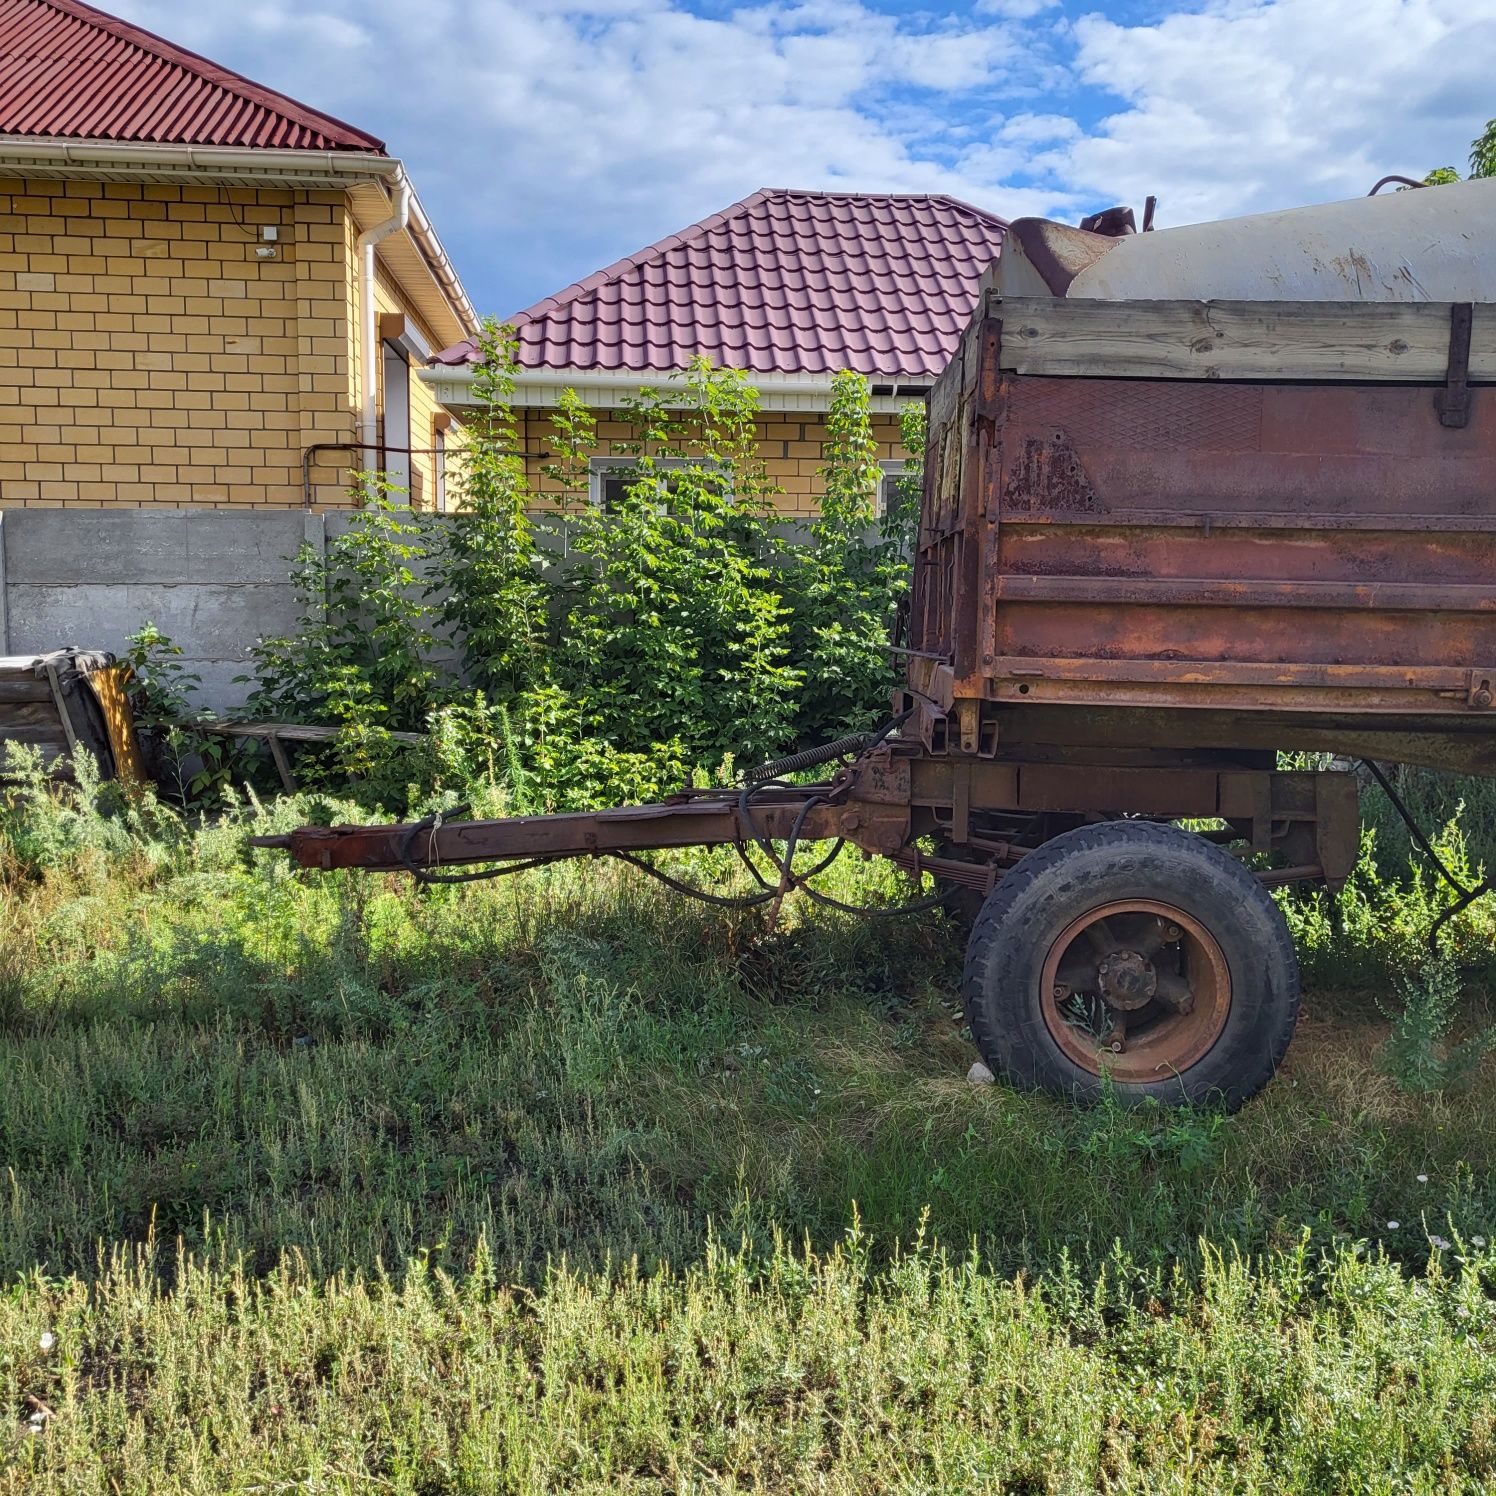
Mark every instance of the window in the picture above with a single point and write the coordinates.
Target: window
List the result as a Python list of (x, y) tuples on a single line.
[(439, 463), (396, 457), (894, 471), (610, 478)]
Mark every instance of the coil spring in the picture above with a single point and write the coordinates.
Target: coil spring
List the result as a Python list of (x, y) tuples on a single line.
[(808, 758)]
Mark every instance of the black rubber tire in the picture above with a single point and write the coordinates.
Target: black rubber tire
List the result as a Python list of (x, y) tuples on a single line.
[(1095, 865)]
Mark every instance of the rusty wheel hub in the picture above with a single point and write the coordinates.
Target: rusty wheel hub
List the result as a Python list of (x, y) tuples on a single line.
[(1138, 987), (1126, 980)]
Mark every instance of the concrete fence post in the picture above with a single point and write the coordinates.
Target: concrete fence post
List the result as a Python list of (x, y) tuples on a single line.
[(4, 597), (314, 533)]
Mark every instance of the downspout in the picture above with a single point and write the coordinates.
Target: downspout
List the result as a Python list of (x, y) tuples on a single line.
[(369, 346)]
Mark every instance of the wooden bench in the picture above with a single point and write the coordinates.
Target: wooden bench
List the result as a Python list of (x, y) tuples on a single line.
[(278, 734)]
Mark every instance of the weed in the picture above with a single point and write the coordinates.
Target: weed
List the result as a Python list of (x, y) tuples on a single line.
[(1417, 1053), (192, 766)]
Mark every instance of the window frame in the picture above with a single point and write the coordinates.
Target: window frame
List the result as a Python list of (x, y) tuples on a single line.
[(600, 469), (891, 468), (439, 467), (397, 465)]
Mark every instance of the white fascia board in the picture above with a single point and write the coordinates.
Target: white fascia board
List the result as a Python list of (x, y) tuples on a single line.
[(423, 251), (606, 389)]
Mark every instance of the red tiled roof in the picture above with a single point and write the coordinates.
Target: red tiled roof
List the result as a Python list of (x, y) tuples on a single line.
[(67, 69), (781, 283)]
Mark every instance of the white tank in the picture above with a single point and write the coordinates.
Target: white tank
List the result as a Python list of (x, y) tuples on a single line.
[(1433, 244)]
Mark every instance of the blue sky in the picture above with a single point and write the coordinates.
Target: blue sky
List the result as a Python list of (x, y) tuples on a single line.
[(548, 138)]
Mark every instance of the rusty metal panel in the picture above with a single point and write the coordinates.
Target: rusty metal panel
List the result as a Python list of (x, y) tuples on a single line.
[(1170, 792), (941, 554), (1321, 550)]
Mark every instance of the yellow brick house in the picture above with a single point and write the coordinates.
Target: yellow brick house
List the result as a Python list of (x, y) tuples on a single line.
[(210, 294), (790, 286)]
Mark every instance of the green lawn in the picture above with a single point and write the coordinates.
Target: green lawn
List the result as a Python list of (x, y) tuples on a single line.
[(330, 1184)]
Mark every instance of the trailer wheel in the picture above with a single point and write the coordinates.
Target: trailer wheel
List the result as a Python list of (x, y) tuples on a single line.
[(1137, 951)]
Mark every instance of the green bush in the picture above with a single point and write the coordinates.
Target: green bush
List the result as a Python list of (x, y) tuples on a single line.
[(847, 586), (496, 602), (1377, 929), (674, 627), (1418, 1054), (623, 651), (363, 652), (191, 766)]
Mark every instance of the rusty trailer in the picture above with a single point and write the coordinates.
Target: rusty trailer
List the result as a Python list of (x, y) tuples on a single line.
[(1193, 498)]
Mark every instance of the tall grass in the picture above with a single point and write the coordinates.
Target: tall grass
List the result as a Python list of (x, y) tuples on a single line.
[(784, 1370), (333, 1183)]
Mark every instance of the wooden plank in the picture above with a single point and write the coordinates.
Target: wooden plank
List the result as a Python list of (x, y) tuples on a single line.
[(1447, 680), (282, 764), (49, 732), (1283, 340), (291, 732), (1206, 519), (18, 714), (64, 715), (1209, 592)]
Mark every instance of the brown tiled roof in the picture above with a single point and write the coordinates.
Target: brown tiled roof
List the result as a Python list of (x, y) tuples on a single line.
[(67, 69), (781, 283)]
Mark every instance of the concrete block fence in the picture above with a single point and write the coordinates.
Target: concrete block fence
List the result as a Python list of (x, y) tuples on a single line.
[(213, 580)]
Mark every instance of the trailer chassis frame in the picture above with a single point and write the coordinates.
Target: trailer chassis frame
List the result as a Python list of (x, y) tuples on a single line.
[(887, 802)]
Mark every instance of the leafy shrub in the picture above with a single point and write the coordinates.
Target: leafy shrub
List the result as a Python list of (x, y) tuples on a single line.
[(1418, 1054), (363, 651), (673, 630), (1433, 799), (849, 584), (48, 822), (158, 685), (488, 565), (363, 658), (193, 767), (1378, 925)]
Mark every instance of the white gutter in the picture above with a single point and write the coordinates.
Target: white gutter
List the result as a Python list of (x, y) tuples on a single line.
[(324, 168), (441, 267), (369, 346), (110, 160)]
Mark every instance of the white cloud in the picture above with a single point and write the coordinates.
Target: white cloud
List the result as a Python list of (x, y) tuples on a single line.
[(548, 137), (1247, 106), (1038, 129), (555, 137), (1015, 10)]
